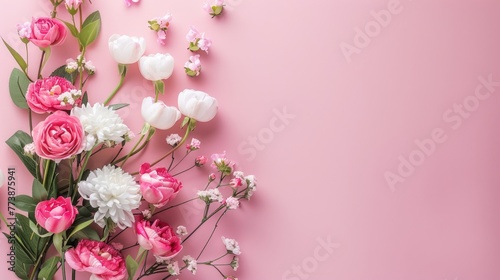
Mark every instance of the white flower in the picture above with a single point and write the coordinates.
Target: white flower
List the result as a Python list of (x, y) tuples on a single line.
[(173, 268), (101, 124), (197, 105), (125, 49), (231, 245), (173, 139), (29, 149), (210, 195), (235, 263), (90, 67), (239, 175), (71, 65), (156, 67), (191, 263), (159, 115), (182, 230), (232, 203), (115, 194), (251, 182), (69, 97)]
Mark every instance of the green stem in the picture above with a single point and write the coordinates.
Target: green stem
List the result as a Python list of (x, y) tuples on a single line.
[(211, 235), (82, 55), (63, 266), (185, 170), (123, 72), (170, 207), (30, 118), (133, 149), (188, 130), (203, 222), (116, 161), (39, 75), (35, 270)]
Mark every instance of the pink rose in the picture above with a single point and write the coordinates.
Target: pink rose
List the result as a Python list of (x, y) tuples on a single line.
[(98, 258), (47, 32), (157, 186), (55, 215), (52, 94), (158, 237), (59, 136)]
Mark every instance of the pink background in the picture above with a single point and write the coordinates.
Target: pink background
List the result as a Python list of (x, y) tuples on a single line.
[(322, 171)]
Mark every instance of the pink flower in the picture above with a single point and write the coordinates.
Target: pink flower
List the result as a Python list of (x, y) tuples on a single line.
[(52, 94), (200, 161), (215, 8), (222, 164), (204, 43), (157, 186), (193, 66), (211, 177), (58, 137), (192, 34), (24, 31), (73, 5), (47, 32), (194, 145), (129, 2), (160, 25), (98, 258), (55, 215), (158, 237)]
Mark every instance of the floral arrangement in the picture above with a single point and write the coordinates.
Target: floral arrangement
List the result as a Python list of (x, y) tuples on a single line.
[(74, 218)]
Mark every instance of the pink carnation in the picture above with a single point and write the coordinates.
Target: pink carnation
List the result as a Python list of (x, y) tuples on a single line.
[(46, 32), (98, 258), (52, 94), (157, 185)]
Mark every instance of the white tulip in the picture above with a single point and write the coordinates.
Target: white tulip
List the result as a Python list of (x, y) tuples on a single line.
[(159, 115), (125, 49), (156, 67), (197, 105)]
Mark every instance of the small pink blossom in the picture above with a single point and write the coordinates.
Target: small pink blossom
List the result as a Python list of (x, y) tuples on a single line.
[(211, 177), (194, 145), (236, 182), (24, 31), (204, 43), (215, 8), (160, 26), (232, 203), (129, 2), (192, 35), (200, 161), (222, 164), (193, 66)]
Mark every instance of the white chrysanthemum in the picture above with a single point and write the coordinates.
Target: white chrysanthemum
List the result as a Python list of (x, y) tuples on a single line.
[(231, 245), (114, 192), (101, 122)]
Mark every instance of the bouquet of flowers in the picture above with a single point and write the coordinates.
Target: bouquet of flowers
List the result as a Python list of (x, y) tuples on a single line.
[(75, 216)]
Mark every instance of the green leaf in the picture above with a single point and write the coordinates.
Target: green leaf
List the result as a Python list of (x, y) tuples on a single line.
[(132, 266), (34, 228), (185, 121), (39, 192), (95, 16), (85, 98), (18, 85), (25, 203), (80, 227), (87, 233), (61, 72), (17, 142), (58, 242), (118, 106), (90, 29), (49, 268), (19, 59), (71, 28)]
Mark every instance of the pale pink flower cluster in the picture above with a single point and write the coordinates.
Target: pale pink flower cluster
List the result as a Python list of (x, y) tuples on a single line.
[(214, 8), (130, 2), (193, 66), (197, 41), (191, 263), (231, 246), (160, 26)]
